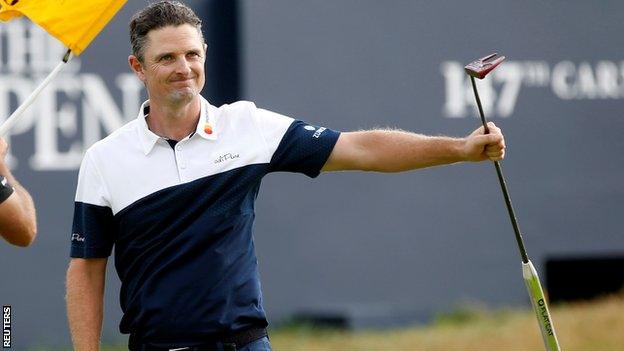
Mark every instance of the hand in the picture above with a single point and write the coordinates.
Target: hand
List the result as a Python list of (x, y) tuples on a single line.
[(480, 147), (4, 148)]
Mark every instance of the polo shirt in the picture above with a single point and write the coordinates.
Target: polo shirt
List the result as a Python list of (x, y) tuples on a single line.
[(181, 219)]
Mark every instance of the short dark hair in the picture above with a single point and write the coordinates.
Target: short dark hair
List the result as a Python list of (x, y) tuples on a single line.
[(158, 15)]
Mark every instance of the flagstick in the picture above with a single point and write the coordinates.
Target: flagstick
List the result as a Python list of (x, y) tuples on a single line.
[(15, 116)]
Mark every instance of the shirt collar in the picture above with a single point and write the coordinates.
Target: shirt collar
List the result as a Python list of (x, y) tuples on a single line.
[(206, 127)]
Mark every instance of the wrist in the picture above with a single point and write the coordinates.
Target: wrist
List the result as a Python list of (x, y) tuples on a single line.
[(462, 150), (5, 171)]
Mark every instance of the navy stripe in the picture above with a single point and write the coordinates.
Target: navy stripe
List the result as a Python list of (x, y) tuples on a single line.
[(186, 259), (93, 232), (304, 150)]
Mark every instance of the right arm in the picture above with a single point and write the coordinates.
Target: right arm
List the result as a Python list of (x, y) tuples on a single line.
[(398, 151), (85, 301)]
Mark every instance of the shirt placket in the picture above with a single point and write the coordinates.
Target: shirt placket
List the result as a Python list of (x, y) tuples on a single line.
[(181, 160)]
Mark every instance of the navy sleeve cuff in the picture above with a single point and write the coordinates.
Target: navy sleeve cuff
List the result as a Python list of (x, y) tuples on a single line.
[(92, 231), (304, 149)]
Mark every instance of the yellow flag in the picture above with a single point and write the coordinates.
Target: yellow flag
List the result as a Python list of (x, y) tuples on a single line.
[(74, 22)]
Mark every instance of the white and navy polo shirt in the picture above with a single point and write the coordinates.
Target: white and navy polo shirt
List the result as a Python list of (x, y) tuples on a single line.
[(181, 218)]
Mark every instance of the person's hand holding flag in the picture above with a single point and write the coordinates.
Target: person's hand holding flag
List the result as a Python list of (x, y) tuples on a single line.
[(73, 22)]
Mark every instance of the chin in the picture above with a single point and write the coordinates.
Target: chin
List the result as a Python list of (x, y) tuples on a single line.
[(183, 96)]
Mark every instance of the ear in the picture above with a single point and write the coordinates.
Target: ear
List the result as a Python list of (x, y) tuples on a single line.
[(137, 67)]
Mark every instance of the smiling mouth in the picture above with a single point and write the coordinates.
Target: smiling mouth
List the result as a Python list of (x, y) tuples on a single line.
[(182, 80)]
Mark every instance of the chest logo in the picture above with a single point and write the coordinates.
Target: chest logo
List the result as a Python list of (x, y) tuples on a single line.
[(226, 157)]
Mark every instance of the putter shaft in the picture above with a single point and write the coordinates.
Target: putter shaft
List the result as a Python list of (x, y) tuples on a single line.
[(501, 180), (536, 294)]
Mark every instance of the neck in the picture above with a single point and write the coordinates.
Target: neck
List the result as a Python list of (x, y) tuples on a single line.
[(174, 122)]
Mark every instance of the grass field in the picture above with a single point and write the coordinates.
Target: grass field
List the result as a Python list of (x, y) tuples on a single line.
[(587, 326)]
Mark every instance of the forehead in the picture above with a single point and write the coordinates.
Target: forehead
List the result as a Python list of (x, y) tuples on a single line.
[(172, 39)]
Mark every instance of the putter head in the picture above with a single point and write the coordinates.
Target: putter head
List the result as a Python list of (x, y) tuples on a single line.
[(481, 67)]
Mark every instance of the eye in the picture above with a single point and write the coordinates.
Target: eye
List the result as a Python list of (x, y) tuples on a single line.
[(193, 54), (166, 57)]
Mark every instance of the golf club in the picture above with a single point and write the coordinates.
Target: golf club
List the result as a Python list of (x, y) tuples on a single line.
[(480, 69)]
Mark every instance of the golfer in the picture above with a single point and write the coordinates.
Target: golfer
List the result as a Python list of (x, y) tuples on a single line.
[(173, 192), (18, 223)]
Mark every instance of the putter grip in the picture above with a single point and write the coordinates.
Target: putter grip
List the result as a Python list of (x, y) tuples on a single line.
[(540, 306)]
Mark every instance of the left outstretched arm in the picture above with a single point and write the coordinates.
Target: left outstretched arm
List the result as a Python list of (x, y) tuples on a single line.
[(397, 151)]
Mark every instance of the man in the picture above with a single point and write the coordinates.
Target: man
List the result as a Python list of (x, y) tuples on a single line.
[(18, 223), (173, 191)]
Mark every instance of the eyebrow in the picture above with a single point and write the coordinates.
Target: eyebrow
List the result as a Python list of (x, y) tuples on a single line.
[(159, 56), (190, 51)]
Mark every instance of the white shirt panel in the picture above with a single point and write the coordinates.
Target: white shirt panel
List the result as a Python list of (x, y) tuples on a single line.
[(129, 174), (272, 125), (91, 188)]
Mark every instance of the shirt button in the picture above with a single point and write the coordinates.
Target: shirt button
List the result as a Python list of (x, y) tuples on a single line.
[(178, 147), (183, 166)]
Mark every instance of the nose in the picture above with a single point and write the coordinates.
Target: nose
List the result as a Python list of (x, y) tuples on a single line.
[(183, 67)]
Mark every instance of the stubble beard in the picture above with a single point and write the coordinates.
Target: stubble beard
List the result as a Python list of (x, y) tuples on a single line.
[(180, 97)]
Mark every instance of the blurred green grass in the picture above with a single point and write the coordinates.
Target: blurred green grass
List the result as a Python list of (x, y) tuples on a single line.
[(596, 325)]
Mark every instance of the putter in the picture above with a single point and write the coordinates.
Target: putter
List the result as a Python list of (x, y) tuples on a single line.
[(479, 69)]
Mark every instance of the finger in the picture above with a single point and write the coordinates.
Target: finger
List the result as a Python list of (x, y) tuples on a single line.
[(497, 158), (489, 139), (493, 128), (478, 131), (493, 152), (500, 144)]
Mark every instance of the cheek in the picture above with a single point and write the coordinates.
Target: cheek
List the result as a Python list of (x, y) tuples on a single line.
[(198, 67), (201, 78), (156, 72)]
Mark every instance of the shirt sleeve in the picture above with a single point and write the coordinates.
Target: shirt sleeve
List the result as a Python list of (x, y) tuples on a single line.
[(92, 229), (5, 190), (294, 145)]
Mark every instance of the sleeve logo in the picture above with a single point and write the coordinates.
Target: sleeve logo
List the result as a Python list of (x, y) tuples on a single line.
[(77, 237), (317, 132)]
